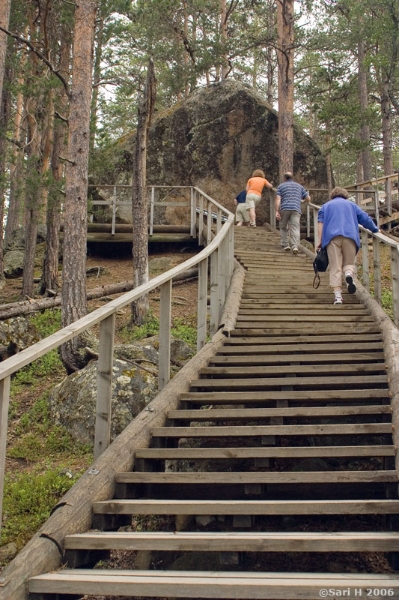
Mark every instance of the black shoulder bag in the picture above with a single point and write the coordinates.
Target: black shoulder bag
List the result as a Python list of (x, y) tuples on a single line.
[(320, 265)]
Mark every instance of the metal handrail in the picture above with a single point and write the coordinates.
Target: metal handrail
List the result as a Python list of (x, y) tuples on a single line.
[(219, 249)]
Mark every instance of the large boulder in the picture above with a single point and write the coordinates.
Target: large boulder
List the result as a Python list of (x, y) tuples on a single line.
[(215, 139)]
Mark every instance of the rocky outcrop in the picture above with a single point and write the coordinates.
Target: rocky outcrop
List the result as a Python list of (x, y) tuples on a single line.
[(215, 139)]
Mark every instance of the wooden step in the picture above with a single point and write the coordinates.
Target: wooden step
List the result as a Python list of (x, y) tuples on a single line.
[(296, 382), (246, 507), (348, 357), (300, 349), (264, 477), (337, 317), (324, 396), (225, 414), (299, 370), (283, 328), (263, 430), (216, 541), (212, 584), (237, 338), (264, 452)]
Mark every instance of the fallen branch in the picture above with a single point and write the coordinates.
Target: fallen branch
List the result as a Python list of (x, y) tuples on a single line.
[(7, 311)]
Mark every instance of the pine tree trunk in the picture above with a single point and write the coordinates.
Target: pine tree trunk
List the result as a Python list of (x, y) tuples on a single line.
[(285, 59), (139, 197), (386, 127), (74, 303), (363, 99), (5, 111)]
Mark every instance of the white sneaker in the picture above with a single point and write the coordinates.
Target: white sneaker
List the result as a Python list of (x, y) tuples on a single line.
[(338, 300), (295, 250), (287, 248)]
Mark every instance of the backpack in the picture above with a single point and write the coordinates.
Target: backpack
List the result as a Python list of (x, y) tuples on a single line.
[(320, 265)]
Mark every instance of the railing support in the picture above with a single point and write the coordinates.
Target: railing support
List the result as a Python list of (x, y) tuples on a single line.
[(377, 269), (4, 403), (102, 436), (214, 293), (395, 283), (202, 303), (164, 334), (365, 260)]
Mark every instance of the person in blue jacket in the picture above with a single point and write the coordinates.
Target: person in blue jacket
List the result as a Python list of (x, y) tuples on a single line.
[(338, 228)]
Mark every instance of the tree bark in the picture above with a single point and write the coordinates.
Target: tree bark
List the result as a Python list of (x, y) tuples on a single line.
[(139, 196), (386, 126), (285, 60), (5, 6), (364, 128), (74, 304)]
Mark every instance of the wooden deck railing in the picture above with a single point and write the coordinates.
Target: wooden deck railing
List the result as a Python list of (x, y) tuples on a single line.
[(215, 231)]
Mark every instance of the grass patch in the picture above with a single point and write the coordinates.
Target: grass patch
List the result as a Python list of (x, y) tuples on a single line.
[(186, 331), (28, 501)]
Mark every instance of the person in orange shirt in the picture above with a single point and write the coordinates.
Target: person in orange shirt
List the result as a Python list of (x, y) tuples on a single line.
[(255, 186)]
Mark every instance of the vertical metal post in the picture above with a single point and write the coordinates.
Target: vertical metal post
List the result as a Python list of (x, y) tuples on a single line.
[(377, 269), (164, 334), (4, 403), (365, 259), (102, 436), (152, 205), (113, 212), (202, 303), (395, 283), (214, 293)]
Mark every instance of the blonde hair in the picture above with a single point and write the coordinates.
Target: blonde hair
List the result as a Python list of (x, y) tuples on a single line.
[(258, 173), (339, 192)]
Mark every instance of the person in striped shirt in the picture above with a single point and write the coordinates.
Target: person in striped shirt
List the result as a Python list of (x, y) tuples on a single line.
[(289, 198)]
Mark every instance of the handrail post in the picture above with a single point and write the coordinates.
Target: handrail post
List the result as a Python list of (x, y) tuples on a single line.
[(307, 221), (365, 260), (273, 213), (202, 303), (4, 403), (152, 204), (222, 269), (164, 334), (192, 213), (395, 283), (114, 209), (315, 228), (201, 220), (219, 221), (377, 269), (209, 223), (214, 293), (102, 436), (231, 252)]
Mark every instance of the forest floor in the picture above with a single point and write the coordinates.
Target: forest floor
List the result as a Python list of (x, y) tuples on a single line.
[(42, 460)]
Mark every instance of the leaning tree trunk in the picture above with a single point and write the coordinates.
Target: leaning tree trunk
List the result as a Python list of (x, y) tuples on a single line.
[(139, 198), (285, 60), (74, 302)]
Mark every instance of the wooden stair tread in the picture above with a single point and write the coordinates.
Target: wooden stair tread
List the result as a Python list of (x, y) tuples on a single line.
[(300, 349), (256, 382), (247, 507), (254, 360), (257, 413), (264, 452), (238, 477), (342, 541), (237, 338), (298, 369), (231, 397), (200, 584), (254, 430)]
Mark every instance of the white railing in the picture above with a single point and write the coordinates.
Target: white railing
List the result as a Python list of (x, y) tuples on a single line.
[(375, 276), (217, 235)]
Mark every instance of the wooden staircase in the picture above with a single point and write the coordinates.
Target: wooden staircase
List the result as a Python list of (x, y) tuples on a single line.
[(275, 478)]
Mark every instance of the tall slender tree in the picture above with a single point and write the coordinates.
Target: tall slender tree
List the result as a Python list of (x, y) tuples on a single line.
[(74, 300)]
